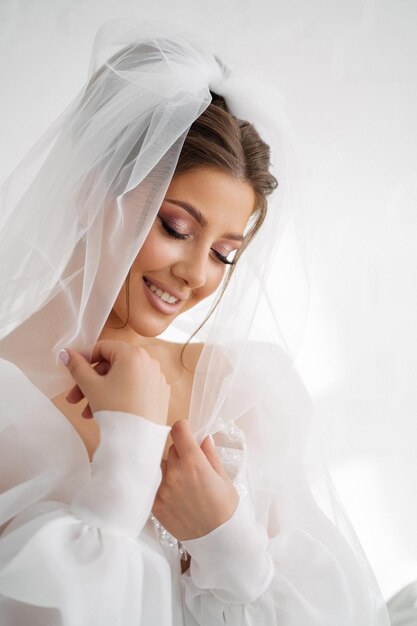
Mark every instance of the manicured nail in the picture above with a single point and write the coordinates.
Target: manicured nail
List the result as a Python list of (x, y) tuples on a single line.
[(64, 356), (211, 439)]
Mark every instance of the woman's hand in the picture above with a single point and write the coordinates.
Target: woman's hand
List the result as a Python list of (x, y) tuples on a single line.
[(196, 494), (125, 379)]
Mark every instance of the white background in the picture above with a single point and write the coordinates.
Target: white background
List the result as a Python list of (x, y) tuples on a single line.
[(347, 72)]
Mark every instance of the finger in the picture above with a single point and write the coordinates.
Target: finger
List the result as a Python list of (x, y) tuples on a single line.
[(81, 370), (79, 367), (107, 350), (207, 446), (183, 439), (75, 394), (164, 466), (172, 455), (102, 368)]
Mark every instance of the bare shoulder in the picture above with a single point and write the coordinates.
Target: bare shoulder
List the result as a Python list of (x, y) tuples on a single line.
[(191, 354)]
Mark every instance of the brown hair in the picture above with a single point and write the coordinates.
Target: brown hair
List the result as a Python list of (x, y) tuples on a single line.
[(219, 139)]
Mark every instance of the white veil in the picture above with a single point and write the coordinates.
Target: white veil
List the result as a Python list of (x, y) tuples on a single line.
[(74, 215)]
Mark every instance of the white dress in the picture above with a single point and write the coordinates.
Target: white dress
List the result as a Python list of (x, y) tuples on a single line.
[(80, 547)]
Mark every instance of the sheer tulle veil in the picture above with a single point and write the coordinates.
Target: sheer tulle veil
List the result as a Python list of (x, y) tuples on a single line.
[(75, 214)]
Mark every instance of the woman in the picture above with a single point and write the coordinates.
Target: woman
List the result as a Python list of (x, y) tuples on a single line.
[(116, 507)]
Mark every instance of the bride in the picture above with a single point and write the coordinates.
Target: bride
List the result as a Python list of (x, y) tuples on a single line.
[(167, 267), (145, 480), (185, 254)]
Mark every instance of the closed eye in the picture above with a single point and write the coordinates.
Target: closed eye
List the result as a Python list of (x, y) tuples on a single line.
[(222, 258), (173, 233)]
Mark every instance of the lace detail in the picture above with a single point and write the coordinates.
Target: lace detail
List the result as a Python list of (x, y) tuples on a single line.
[(233, 456), (167, 539)]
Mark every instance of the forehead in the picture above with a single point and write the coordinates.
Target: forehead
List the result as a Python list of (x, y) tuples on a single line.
[(217, 194)]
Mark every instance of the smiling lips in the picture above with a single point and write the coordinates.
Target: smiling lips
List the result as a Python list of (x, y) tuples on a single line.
[(161, 300), (164, 295)]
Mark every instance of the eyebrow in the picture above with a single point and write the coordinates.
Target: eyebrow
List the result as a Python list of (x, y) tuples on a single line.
[(199, 217)]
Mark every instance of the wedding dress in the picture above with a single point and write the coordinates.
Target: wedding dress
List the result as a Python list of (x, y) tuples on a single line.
[(86, 549), (79, 545)]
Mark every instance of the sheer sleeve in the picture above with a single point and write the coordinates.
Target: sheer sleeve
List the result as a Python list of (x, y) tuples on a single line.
[(75, 554), (279, 560), (294, 579)]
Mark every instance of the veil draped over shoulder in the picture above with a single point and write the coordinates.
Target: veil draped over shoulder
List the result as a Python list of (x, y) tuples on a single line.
[(74, 215)]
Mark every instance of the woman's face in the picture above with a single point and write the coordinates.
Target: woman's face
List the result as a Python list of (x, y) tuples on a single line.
[(188, 267)]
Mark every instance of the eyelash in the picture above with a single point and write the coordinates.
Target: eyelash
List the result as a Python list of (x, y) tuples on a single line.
[(177, 235)]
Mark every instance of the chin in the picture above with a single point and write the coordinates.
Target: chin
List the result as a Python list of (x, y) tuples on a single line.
[(150, 328)]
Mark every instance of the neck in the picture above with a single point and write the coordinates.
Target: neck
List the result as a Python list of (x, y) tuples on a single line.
[(168, 354), (115, 329)]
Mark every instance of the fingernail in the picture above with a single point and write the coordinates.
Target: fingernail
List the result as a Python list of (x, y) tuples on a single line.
[(211, 439), (64, 356)]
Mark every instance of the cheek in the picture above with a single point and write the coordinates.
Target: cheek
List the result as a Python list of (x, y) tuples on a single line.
[(215, 273), (156, 252)]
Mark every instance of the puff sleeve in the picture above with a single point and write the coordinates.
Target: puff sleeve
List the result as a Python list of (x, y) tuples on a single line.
[(241, 576), (84, 561)]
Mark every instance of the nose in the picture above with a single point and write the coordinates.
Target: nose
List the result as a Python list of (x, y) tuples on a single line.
[(192, 268)]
